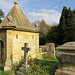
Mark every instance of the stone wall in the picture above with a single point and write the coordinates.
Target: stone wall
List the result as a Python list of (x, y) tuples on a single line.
[(16, 40), (44, 48)]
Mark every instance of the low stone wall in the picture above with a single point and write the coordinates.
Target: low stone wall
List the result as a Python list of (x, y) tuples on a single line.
[(44, 48)]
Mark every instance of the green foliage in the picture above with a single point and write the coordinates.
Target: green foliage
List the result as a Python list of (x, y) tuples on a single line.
[(5, 72), (17, 65), (65, 31), (37, 70), (2, 68), (1, 15), (30, 61), (2, 72), (46, 66), (51, 65), (43, 29), (56, 51), (52, 35), (50, 59), (62, 27), (42, 40)]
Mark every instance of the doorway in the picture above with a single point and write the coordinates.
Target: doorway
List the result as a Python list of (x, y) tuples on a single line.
[(1, 51)]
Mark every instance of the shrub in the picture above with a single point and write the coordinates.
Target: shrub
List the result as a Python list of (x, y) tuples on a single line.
[(5, 72), (51, 65), (37, 70), (30, 61)]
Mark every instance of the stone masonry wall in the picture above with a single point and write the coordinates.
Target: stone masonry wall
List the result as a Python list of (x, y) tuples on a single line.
[(16, 40)]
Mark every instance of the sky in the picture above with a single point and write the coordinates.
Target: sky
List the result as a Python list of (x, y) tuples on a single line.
[(37, 10)]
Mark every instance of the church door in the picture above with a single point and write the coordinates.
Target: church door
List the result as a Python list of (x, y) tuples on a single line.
[(1, 52)]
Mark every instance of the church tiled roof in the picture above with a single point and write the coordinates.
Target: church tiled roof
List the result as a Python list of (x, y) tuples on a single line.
[(17, 19)]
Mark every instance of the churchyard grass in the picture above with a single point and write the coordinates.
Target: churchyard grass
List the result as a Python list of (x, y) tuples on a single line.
[(49, 59), (5, 72), (2, 72), (56, 51)]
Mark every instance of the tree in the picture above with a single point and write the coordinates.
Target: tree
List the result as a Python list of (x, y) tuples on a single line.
[(52, 35), (1, 15), (65, 31), (62, 27), (73, 27), (69, 24), (43, 28)]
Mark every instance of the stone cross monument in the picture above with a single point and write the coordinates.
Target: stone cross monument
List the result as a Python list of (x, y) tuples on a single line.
[(22, 70), (26, 49)]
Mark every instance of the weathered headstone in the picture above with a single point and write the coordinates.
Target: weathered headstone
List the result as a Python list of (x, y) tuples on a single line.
[(66, 57), (22, 70), (50, 50)]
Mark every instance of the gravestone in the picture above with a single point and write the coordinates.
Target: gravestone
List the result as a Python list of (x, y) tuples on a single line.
[(51, 50), (22, 70), (26, 49), (66, 57)]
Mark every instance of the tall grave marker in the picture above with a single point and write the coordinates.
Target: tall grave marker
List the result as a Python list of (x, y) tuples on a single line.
[(22, 70), (26, 49), (50, 50)]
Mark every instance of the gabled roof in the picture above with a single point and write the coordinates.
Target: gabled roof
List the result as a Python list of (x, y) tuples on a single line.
[(16, 18)]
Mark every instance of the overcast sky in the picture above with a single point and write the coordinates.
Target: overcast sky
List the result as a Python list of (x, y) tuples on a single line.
[(49, 10)]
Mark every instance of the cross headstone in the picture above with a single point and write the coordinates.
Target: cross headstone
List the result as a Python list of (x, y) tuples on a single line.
[(26, 49)]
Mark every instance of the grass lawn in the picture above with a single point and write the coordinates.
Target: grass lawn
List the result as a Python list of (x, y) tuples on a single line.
[(5, 73), (49, 59)]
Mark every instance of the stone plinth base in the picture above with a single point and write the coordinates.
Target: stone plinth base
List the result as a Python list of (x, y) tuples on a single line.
[(7, 68), (64, 72), (22, 70)]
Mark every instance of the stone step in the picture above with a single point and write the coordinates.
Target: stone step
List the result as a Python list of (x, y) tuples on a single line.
[(25, 66), (21, 69), (19, 73)]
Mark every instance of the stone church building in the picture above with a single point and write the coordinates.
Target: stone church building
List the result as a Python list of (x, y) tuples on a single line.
[(15, 30)]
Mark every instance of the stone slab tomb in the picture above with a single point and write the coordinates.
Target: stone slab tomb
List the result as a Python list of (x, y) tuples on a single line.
[(66, 57)]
